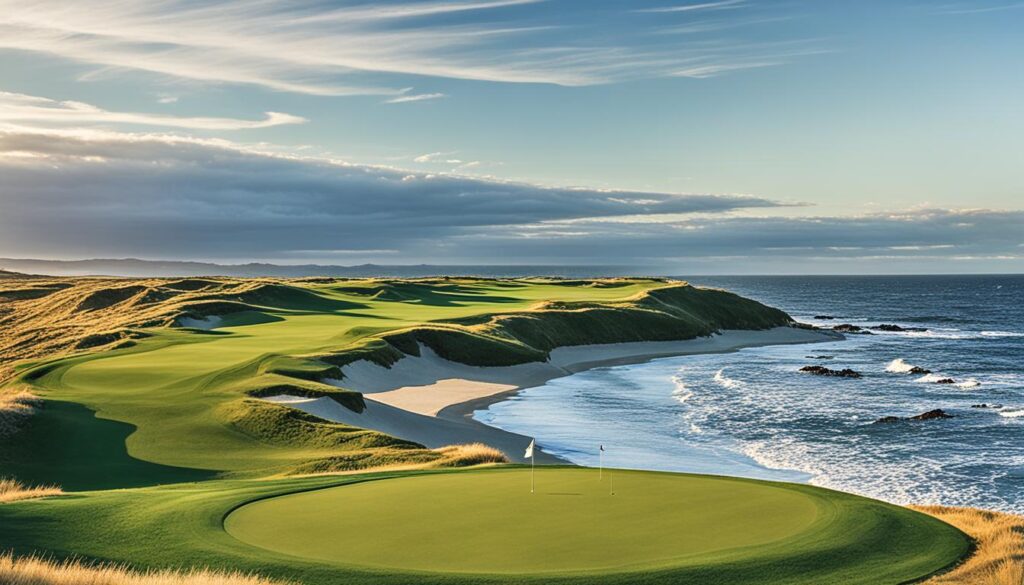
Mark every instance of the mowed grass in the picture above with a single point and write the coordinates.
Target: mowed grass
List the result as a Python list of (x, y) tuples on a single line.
[(490, 522), (483, 524)]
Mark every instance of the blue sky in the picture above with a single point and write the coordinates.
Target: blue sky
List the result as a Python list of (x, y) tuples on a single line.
[(728, 136)]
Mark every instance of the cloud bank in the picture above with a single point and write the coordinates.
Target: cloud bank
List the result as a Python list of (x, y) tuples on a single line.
[(72, 192), (93, 193)]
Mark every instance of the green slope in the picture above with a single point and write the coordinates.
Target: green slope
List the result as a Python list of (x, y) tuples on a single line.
[(657, 528)]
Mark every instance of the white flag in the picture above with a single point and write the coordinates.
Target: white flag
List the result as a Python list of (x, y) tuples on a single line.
[(529, 450)]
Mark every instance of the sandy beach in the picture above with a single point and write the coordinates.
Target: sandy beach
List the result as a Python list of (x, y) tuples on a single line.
[(430, 400)]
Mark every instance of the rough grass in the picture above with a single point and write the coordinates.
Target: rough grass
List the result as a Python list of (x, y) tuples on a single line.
[(467, 455), (16, 406), (999, 557), (38, 571), (12, 490)]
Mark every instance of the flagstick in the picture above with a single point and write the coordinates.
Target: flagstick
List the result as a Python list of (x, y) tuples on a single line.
[(600, 464), (533, 469)]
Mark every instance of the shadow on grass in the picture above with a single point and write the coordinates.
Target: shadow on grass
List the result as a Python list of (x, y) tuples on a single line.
[(65, 444)]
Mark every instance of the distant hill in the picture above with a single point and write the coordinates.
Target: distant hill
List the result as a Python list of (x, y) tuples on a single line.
[(9, 274), (132, 267)]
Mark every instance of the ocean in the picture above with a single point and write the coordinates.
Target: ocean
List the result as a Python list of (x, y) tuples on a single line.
[(752, 413)]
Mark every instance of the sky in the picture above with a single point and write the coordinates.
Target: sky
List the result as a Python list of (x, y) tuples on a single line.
[(689, 136)]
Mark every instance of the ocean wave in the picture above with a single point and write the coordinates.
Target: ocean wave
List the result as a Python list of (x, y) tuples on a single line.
[(968, 383), (937, 334), (898, 366), (930, 378), (681, 393), (1012, 412), (725, 382), (1001, 334)]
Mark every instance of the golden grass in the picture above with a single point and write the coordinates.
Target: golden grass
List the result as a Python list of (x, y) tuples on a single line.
[(999, 558), (16, 407), (46, 317), (466, 455), (12, 490), (37, 571)]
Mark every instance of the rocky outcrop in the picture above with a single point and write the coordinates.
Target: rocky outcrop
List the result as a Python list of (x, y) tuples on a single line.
[(936, 414), (848, 328), (823, 371), (932, 415), (896, 328)]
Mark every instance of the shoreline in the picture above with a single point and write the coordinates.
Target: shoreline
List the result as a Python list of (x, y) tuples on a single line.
[(423, 399), (466, 408)]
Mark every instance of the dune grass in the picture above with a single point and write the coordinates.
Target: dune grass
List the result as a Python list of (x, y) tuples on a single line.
[(999, 556), (16, 406), (12, 490), (39, 571), (468, 455)]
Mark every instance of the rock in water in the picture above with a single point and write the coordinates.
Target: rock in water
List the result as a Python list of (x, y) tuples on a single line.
[(932, 415), (889, 419), (945, 381), (823, 371), (896, 328), (848, 328), (919, 370)]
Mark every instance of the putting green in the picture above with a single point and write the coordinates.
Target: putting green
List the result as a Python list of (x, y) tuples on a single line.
[(489, 522)]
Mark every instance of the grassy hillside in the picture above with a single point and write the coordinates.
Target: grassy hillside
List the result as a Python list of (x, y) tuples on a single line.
[(483, 524), (130, 384)]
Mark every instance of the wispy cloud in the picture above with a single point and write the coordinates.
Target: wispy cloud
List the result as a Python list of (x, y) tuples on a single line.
[(312, 48), (21, 108), (415, 98), (716, 69), (719, 5), (979, 7), (432, 157)]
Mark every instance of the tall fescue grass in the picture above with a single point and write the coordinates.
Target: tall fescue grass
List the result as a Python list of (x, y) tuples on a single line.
[(12, 490), (999, 558), (15, 408), (469, 454), (37, 571)]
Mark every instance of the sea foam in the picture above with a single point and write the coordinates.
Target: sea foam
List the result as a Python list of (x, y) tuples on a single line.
[(726, 382), (898, 366)]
